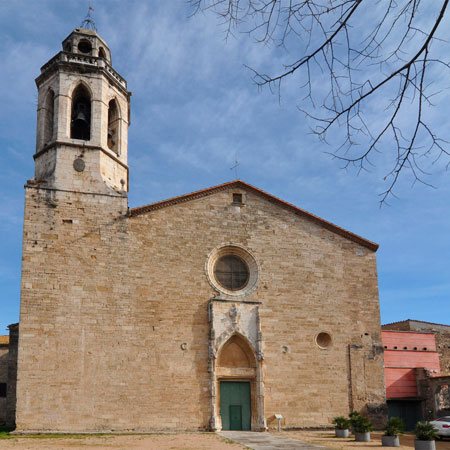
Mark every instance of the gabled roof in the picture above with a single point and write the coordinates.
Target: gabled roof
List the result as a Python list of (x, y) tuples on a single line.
[(241, 184)]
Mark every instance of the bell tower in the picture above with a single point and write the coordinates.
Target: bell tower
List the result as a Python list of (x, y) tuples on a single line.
[(82, 119)]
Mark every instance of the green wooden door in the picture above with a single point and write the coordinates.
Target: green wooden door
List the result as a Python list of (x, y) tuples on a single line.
[(235, 406), (235, 417), (409, 411)]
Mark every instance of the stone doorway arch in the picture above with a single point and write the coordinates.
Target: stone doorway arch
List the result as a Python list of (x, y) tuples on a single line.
[(236, 358)]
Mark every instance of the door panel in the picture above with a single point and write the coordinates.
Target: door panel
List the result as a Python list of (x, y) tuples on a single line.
[(235, 406), (235, 417), (409, 411)]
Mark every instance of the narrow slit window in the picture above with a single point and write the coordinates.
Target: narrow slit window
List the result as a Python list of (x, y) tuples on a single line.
[(49, 111)]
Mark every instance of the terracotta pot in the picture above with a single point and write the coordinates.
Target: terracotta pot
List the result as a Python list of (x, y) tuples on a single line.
[(424, 445), (341, 433), (362, 437), (390, 441)]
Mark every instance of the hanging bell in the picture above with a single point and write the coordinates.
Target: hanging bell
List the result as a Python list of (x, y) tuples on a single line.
[(80, 127), (80, 118)]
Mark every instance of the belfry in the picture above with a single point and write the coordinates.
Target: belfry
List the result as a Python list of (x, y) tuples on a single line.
[(83, 118)]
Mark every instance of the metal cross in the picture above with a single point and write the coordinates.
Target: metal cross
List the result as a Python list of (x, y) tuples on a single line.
[(236, 164)]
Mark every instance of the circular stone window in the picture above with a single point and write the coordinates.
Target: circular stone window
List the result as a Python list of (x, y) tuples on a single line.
[(85, 46), (323, 340), (232, 270)]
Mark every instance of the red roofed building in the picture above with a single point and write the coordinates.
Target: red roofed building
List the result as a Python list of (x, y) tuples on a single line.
[(412, 366), (405, 351)]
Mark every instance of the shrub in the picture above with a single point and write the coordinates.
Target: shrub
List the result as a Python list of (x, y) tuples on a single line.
[(394, 427), (424, 431), (354, 414), (361, 424), (341, 423)]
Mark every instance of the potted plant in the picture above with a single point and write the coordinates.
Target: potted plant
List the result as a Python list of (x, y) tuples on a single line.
[(425, 436), (341, 426), (353, 416), (362, 427), (392, 430)]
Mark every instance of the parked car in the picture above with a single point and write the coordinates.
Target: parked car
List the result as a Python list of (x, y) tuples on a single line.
[(442, 426)]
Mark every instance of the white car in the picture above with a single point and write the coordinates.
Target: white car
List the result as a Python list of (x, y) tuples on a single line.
[(442, 426)]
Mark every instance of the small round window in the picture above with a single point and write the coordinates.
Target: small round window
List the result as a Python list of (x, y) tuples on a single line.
[(231, 272), (323, 340)]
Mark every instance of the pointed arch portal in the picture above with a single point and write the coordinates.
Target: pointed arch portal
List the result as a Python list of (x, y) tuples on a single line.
[(237, 389), (235, 363)]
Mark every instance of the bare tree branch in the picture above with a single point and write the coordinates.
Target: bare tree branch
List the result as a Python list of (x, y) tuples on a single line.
[(377, 58)]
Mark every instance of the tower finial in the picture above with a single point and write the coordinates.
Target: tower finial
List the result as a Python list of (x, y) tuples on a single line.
[(88, 22)]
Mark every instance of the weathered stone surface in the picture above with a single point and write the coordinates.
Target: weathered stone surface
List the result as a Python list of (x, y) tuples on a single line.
[(3, 375), (12, 375), (107, 300)]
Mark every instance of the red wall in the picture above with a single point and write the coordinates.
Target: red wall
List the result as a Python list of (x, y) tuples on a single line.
[(400, 362)]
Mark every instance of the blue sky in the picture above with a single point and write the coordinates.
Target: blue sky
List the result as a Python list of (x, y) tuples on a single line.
[(194, 107)]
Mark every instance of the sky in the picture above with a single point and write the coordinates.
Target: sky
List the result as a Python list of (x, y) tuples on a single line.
[(194, 111)]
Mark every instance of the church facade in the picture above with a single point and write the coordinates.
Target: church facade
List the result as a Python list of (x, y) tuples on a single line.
[(213, 310)]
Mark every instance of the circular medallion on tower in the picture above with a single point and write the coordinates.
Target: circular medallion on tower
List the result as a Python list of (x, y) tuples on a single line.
[(232, 270), (79, 165)]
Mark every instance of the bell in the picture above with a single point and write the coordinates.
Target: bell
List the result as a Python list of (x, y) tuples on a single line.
[(80, 127), (80, 117)]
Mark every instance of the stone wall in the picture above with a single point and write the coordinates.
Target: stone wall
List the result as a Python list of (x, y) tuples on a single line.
[(114, 331), (3, 377), (435, 393), (12, 375)]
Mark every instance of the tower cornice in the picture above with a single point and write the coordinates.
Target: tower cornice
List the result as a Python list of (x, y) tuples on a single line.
[(83, 64)]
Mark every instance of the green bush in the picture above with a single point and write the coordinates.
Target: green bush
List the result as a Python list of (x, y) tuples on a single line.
[(341, 423), (424, 431), (361, 424), (394, 427), (354, 414)]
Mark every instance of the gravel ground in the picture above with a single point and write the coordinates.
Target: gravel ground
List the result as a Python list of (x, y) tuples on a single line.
[(192, 441), (327, 439), (195, 441)]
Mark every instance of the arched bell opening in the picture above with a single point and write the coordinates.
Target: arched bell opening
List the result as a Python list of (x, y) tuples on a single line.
[(113, 126), (238, 403), (101, 53), (49, 116), (80, 127)]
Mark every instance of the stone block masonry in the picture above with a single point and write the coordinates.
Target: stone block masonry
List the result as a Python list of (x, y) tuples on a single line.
[(108, 299)]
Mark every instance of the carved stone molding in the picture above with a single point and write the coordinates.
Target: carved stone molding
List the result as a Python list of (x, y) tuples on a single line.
[(228, 319)]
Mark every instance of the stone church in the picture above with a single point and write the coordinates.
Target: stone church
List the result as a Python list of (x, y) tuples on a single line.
[(213, 310)]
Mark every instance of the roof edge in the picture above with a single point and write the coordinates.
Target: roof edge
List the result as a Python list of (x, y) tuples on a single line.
[(239, 183), (415, 320)]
